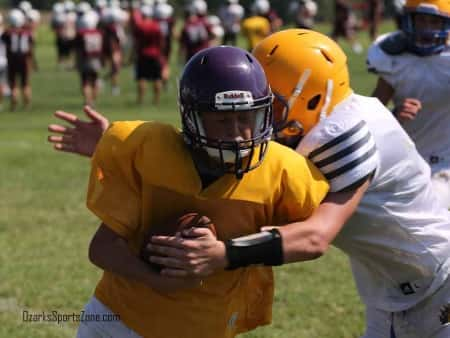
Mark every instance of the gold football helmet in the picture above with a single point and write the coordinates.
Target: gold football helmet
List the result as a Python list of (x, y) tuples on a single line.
[(436, 6), (308, 74)]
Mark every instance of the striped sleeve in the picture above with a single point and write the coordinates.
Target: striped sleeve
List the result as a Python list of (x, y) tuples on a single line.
[(345, 155)]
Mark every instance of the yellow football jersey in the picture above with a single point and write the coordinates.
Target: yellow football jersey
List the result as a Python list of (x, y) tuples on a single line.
[(143, 176), (255, 29)]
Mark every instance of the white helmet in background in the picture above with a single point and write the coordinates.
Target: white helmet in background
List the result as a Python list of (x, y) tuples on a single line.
[(147, 2), (25, 6), (113, 15), (213, 20), (69, 6), (200, 7), (236, 10), (58, 8), (59, 18), (100, 4), (311, 6), (83, 8), (163, 11), (16, 18), (218, 31), (114, 3), (33, 16), (88, 20), (147, 11), (261, 7), (232, 2)]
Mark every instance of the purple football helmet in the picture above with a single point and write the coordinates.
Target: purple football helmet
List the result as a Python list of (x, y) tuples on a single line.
[(226, 79)]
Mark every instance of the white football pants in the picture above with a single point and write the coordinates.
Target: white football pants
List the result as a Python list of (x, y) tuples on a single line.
[(421, 321), (441, 185), (102, 329)]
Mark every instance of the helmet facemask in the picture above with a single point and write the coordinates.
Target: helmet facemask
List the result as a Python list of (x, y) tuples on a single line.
[(427, 30), (236, 153)]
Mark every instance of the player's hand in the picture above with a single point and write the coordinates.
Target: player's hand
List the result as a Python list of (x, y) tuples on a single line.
[(82, 136), (195, 253), (408, 110)]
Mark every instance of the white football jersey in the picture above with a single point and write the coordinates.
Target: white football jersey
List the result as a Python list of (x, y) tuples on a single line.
[(3, 59), (426, 79), (398, 240)]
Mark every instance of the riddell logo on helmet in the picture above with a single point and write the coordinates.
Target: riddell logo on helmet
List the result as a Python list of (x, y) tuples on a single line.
[(233, 95), (234, 98)]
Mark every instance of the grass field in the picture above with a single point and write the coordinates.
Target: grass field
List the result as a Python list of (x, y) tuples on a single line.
[(45, 228)]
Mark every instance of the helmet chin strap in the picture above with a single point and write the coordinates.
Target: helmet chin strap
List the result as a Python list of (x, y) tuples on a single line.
[(326, 104)]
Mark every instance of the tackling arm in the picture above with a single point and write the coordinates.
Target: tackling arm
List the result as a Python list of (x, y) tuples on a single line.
[(311, 238), (300, 241)]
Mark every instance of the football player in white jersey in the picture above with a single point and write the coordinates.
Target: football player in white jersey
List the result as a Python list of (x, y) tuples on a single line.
[(398, 236), (231, 15), (413, 66)]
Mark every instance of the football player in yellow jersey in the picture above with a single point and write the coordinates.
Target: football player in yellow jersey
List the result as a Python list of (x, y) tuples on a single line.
[(255, 28), (223, 165), (340, 129)]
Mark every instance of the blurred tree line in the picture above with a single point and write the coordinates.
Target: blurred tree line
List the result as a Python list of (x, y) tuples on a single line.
[(326, 7)]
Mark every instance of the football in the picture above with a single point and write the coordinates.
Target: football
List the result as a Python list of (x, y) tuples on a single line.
[(195, 220), (185, 222)]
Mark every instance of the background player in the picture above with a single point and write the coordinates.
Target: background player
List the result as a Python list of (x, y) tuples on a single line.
[(149, 44), (89, 54), (231, 15), (413, 66), (19, 43)]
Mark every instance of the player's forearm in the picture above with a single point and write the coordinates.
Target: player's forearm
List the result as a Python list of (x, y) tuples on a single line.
[(302, 242), (310, 239), (298, 241), (116, 257), (110, 252)]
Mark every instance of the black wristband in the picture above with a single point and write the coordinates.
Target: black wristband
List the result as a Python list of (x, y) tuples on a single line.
[(263, 248)]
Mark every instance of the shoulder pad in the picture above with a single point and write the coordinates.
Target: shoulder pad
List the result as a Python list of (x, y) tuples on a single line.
[(394, 43), (381, 52), (344, 151)]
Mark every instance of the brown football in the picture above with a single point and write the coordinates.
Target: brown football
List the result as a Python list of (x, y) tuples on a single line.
[(195, 220), (185, 222)]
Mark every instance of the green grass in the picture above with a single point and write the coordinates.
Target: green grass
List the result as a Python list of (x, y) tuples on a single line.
[(45, 228)]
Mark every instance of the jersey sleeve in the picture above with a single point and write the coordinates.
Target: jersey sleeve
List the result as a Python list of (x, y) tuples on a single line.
[(303, 188), (343, 149), (113, 191)]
